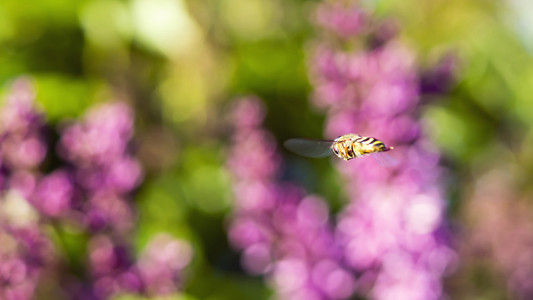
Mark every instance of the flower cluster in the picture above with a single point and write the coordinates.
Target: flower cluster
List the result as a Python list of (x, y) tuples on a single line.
[(161, 264), (341, 20), (158, 270), (282, 232), (103, 174), (22, 144), (393, 230), (103, 170), (25, 250), (25, 253), (91, 190)]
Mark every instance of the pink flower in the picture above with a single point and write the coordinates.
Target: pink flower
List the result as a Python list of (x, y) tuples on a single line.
[(395, 219), (53, 194), (281, 232), (162, 263)]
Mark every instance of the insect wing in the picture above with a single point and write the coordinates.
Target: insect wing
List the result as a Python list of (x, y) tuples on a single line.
[(384, 159), (309, 147)]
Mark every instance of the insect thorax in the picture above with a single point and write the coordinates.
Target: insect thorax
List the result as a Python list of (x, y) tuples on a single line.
[(345, 146)]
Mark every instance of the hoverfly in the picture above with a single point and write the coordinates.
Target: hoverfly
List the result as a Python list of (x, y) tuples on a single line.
[(347, 146)]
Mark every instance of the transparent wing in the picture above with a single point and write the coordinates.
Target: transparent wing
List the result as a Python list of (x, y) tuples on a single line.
[(309, 147), (384, 159)]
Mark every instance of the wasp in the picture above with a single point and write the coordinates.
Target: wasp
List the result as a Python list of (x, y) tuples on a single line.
[(347, 147)]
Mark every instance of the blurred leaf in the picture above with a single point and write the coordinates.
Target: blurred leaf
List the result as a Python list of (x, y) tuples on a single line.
[(250, 19), (217, 286), (162, 209), (71, 245), (64, 97), (205, 182), (106, 23)]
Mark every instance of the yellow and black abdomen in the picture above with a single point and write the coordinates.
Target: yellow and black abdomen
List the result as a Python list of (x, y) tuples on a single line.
[(371, 145), (367, 145), (352, 145)]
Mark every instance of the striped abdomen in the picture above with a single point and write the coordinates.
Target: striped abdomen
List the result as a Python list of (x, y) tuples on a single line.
[(352, 145)]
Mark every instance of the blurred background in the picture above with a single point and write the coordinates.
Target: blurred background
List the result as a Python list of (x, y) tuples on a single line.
[(126, 144)]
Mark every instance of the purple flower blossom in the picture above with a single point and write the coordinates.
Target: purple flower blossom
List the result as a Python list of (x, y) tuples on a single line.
[(104, 174), (161, 264), (124, 174), (23, 181), (392, 232), (158, 271), (53, 194), (93, 191), (25, 251), (112, 267), (98, 149), (282, 233), (22, 147), (343, 20), (108, 211), (102, 137), (441, 77), (104, 170)]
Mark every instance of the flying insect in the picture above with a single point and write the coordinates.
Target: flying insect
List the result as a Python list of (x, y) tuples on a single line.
[(347, 147)]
